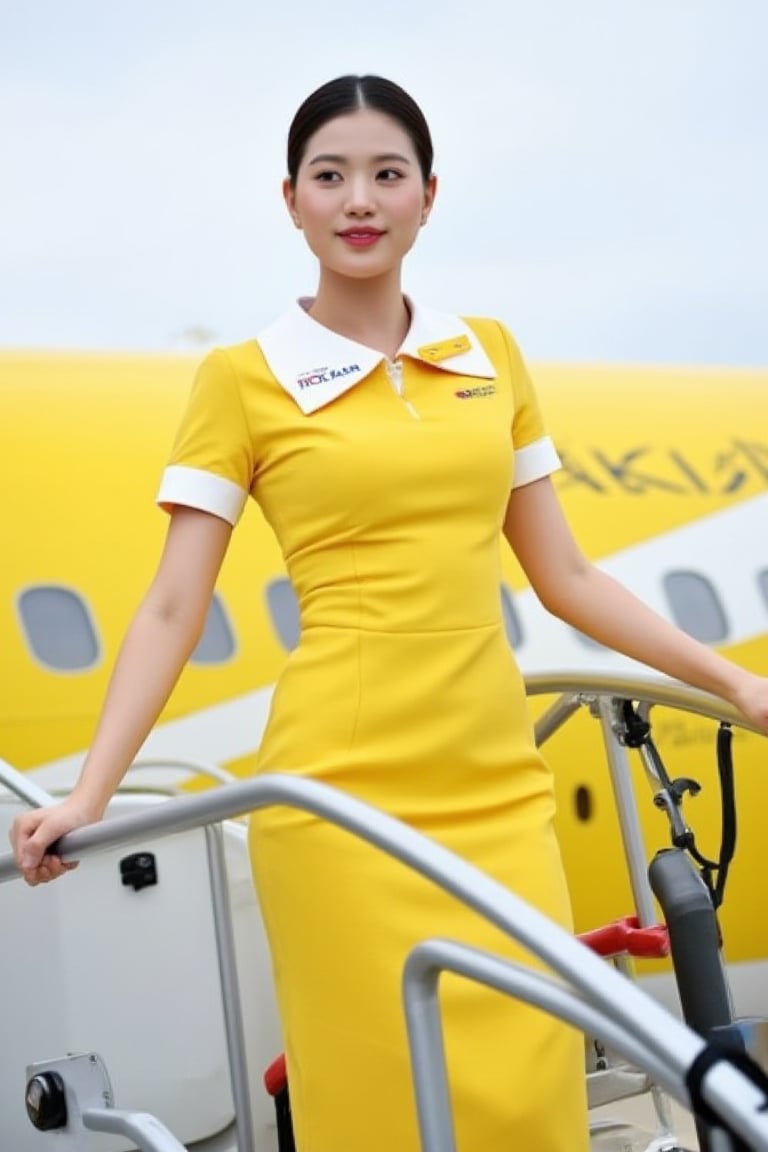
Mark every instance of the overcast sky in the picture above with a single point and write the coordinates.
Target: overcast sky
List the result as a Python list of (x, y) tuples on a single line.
[(603, 167)]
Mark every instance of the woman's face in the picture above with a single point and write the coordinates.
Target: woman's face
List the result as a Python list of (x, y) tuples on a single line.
[(359, 196)]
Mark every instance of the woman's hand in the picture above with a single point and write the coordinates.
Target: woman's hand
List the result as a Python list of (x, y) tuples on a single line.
[(34, 831), (751, 699)]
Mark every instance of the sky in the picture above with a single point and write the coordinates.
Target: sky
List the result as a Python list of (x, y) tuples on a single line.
[(603, 168)]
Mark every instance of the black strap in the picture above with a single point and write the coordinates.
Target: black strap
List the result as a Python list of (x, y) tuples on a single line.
[(728, 807), (713, 1053)]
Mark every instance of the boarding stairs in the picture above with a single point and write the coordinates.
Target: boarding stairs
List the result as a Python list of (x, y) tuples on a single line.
[(157, 994)]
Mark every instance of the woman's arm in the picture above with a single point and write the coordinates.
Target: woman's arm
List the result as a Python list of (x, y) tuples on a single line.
[(161, 637), (571, 587)]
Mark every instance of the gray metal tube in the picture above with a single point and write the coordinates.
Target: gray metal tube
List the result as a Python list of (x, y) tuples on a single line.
[(629, 821), (427, 1052), (23, 787), (555, 716), (230, 988), (144, 1130), (427, 960), (423, 968), (652, 689)]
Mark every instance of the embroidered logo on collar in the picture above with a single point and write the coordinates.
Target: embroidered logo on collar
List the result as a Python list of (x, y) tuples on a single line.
[(325, 375), (476, 393)]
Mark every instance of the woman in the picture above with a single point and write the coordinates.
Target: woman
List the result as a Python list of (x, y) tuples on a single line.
[(389, 446)]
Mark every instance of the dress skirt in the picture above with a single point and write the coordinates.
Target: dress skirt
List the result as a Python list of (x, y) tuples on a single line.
[(433, 729)]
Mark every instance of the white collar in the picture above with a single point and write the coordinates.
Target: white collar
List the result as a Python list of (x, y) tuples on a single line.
[(316, 365)]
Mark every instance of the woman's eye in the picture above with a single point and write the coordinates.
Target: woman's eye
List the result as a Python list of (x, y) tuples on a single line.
[(328, 177), (389, 174)]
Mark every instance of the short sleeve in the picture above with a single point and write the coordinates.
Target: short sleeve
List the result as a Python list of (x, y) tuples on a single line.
[(535, 453), (211, 462)]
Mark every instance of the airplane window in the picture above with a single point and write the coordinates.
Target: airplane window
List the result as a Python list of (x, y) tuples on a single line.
[(284, 611), (58, 628), (511, 618), (695, 606), (217, 644), (762, 580), (583, 803)]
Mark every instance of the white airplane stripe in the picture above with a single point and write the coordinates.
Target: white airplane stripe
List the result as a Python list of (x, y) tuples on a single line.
[(731, 568)]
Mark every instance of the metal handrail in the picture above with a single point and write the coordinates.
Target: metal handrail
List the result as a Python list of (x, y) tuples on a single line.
[(191, 767), (145, 1130), (574, 687), (430, 959), (604, 988), (21, 786)]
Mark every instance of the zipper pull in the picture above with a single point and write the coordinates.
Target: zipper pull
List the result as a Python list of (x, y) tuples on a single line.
[(395, 373)]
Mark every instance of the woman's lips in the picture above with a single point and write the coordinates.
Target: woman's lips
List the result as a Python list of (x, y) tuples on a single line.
[(361, 237)]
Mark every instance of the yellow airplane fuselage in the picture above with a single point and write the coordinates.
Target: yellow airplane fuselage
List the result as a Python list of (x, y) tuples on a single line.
[(653, 459)]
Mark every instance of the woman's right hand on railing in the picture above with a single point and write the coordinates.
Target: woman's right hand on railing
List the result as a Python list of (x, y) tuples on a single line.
[(34, 831)]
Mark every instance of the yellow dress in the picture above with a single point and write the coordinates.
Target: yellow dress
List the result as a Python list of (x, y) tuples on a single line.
[(386, 485)]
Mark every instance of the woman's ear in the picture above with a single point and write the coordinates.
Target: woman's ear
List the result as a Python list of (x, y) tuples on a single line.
[(430, 191), (289, 195)]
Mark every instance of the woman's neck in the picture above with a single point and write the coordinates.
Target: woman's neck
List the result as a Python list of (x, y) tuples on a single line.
[(371, 312)]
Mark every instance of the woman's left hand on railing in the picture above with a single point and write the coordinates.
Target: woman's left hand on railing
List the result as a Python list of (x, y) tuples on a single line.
[(33, 832)]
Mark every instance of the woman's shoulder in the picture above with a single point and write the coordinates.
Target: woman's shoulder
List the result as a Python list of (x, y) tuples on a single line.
[(488, 325), (248, 353), (495, 337), (242, 360)]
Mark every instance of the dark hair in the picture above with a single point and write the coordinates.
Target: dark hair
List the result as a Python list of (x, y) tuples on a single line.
[(347, 94)]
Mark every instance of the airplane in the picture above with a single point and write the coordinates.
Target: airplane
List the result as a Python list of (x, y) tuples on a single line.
[(664, 480)]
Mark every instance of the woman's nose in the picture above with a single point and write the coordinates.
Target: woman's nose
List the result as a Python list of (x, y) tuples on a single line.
[(360, 198)]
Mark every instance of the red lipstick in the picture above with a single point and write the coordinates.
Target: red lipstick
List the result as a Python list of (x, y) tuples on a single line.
[(360, 237)]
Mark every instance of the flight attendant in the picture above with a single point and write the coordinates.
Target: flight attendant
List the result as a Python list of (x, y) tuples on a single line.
[(390, 447)]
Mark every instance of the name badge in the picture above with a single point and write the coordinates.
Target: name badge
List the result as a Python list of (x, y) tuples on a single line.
[(445, 349)]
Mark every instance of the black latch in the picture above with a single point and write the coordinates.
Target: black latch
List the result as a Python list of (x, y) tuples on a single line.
[(46, 1101), (139, 870)]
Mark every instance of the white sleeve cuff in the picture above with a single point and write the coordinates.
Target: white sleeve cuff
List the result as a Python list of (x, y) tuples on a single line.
[(196, 488), (535, 461)]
